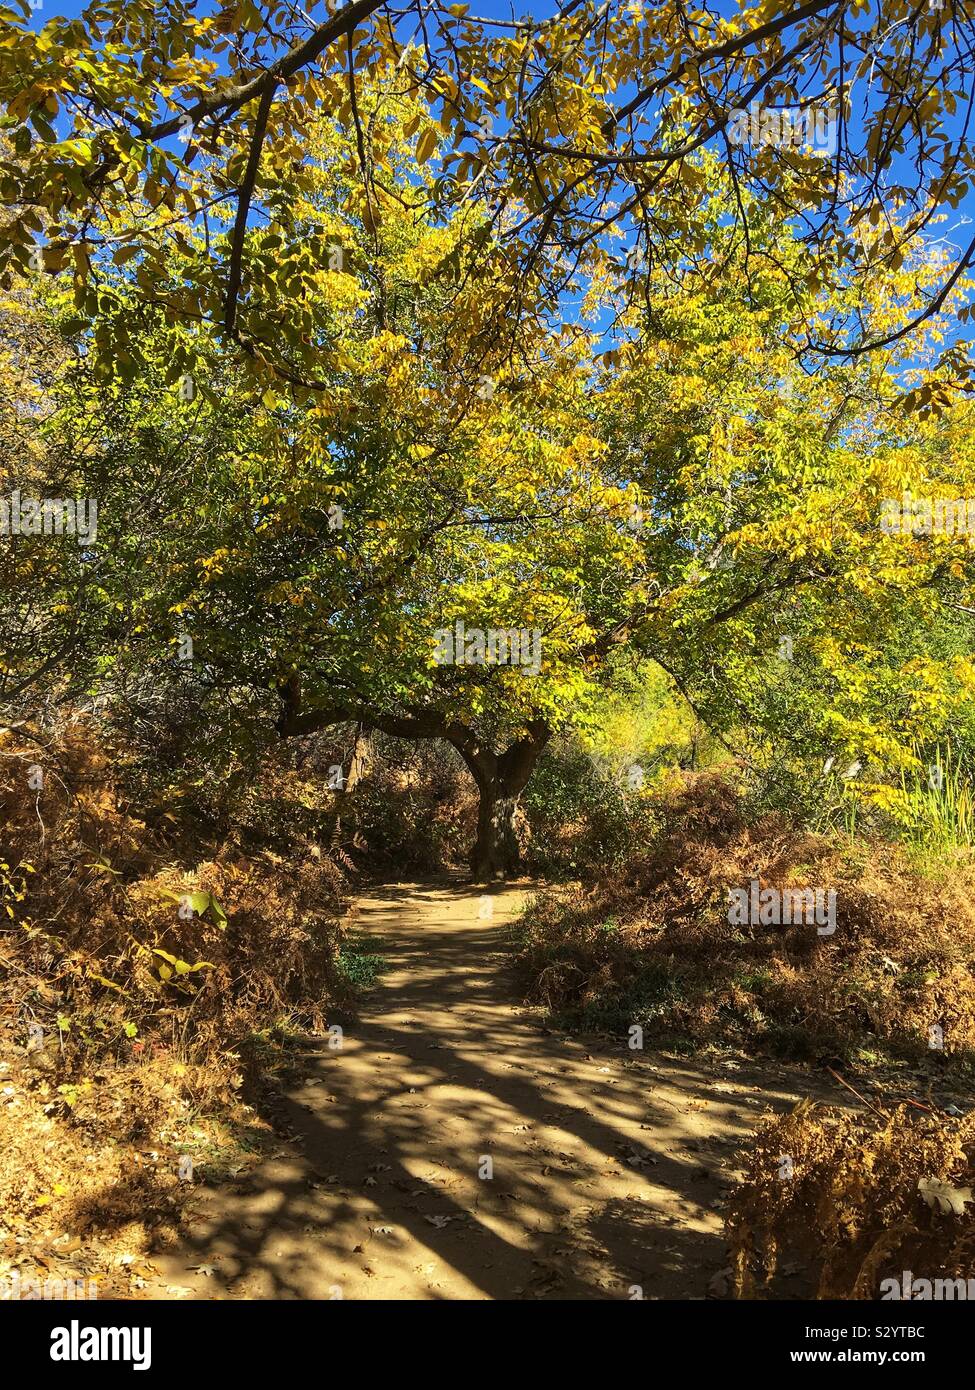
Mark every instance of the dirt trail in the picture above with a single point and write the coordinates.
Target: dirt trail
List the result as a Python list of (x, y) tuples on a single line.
[(608, 1166)]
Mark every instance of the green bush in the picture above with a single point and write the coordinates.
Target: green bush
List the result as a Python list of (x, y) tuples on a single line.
[(581, 819)]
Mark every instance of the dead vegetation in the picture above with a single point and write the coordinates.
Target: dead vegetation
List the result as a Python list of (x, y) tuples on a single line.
[(145, 962), (153, 958), (831, 1203), (847, 1201), (652, 944)]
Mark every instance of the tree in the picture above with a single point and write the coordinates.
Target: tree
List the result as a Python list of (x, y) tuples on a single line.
[(300, 554), (570, 135)]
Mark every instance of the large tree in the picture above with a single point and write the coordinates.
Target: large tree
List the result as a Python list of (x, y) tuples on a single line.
[(294, 555)]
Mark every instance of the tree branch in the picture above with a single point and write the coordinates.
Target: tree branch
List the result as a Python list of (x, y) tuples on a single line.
[(337, 26), (244, 195)]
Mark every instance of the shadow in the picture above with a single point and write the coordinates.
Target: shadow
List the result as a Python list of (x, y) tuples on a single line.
[(455, 1147)]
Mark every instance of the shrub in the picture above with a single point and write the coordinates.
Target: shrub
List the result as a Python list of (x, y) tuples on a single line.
[(650, 943), (582, 820), (143, 953)]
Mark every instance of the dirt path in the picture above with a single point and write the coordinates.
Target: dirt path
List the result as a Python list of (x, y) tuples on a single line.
[(608, 1167)]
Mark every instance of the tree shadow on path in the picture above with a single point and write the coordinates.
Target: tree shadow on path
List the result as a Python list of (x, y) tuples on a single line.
[(454, 1147)]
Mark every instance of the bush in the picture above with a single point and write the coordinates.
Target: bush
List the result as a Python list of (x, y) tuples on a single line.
[(582, 821), (146, 937), (650, 943), (145, 954), (415, 811)]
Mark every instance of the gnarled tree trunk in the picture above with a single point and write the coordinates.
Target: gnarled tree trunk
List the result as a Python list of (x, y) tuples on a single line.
[(502, 835), (502, 828)]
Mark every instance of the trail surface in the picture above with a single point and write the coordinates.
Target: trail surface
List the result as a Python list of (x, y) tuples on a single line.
[(455, 1148)]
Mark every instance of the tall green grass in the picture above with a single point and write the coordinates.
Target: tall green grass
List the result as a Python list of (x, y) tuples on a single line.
[(940, 808), (936, 817)]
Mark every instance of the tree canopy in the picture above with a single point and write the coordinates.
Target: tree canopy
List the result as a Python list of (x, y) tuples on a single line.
[(379, 433), (574, 138)]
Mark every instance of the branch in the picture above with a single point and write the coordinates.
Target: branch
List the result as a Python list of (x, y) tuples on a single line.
[(294, 720), (337, 26), (244, 196), (902, 332), (724, 50)]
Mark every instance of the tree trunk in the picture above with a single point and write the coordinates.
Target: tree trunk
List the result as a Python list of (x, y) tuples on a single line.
[(359, 766), (363, 756), (502, 834), (502, 829)]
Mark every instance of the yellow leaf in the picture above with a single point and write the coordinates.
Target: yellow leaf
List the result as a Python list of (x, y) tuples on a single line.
[(426, 144)]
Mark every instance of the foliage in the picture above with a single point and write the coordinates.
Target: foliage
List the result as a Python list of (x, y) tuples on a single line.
[(127, 938), (306, 547), (847, 1198), (361, 968), (641, 506), (650, 943), (558, 132), (581, 820)]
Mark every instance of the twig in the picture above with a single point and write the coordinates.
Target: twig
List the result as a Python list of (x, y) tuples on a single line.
[(863, 1100)]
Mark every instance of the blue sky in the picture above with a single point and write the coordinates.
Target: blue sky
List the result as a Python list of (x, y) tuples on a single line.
[(490, 9)]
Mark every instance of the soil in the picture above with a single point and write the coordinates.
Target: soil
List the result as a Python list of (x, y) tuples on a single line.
[(456, 1147)]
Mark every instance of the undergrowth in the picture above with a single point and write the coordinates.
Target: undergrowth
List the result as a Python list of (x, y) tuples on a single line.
[(853, 1200), (651, 943), (151, 963)]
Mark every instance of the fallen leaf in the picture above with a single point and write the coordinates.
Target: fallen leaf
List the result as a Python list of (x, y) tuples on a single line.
[(948, 1198)]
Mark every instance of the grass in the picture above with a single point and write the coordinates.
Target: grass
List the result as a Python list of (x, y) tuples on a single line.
[(935, 818), (647, 998), (360, 968), (941, 810)]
